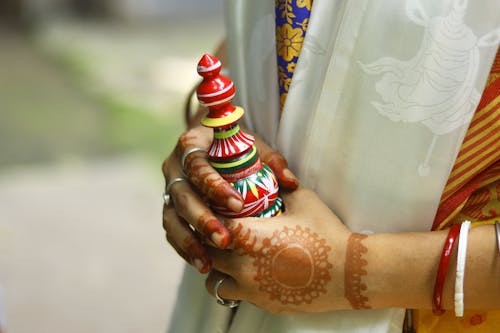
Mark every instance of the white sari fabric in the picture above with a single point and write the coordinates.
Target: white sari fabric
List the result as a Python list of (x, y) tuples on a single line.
[(379, 104)]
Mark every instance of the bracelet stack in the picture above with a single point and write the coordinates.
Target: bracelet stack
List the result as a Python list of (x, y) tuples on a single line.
[(461, 232)]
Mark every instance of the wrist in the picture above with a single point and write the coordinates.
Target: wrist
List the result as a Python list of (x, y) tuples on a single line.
[(402, 267)]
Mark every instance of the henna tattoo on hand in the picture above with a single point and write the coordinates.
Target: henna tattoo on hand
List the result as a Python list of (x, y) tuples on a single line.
[(354, 271), (292, 265)]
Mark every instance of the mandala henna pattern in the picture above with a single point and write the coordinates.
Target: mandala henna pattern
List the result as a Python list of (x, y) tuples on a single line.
[(292, 265)]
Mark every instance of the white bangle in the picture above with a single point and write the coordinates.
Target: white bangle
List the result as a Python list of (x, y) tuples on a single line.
[(459, 279), (497, 228)]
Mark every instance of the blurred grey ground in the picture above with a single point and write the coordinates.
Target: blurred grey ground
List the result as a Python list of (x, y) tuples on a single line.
[(88, 109)]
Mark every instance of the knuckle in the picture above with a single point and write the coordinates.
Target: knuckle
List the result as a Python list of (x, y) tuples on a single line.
[(274, 157), (186, 139), (196, 165), (184, 136), (182, 203), (190, 243), (165, 166), (168, 219)]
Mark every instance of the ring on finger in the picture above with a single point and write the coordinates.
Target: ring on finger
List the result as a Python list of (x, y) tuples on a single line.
[(166, 194), (189, 152), (226, 302)]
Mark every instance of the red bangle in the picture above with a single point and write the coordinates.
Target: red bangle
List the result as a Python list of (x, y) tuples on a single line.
[(443, 269)]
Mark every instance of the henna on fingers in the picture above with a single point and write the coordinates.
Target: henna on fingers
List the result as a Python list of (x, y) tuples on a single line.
[(212, 227), (241, 240), (193, 210), (354, 271), (211, 184), (193, 139), (184, 241), (199, 255), (177, 249)]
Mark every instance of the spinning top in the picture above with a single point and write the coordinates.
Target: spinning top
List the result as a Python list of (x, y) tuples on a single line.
[(232, 152)]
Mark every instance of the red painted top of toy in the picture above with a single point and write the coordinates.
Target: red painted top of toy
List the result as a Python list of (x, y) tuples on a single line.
[(209, 66), (216, 90)]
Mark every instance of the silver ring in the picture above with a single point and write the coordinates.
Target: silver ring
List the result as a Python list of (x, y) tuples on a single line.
[(189, 152), (166, 194), (226, 302)]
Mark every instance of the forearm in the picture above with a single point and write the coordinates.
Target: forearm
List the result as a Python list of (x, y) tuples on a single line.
[(401, 270)]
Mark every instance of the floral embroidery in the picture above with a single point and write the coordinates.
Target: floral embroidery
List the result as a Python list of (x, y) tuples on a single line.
[(289, 41), (304, 3), (284, 80), (303, 24), (286, 10), (292, 20)]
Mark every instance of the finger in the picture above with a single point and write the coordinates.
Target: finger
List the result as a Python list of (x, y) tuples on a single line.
[(208, 181), (211, 184), (225, 261), (228, 290), (192, 209), (278, 164), (242, 231), (195, 212), (182, 239)]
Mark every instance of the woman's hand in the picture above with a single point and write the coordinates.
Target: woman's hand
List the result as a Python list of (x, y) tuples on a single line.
[(290, 263), (189, 223)]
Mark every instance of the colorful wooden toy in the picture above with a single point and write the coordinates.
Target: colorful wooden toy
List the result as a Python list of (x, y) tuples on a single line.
[(233, 153)]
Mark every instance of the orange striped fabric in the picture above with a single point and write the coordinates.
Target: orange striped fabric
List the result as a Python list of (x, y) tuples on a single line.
[(478, 163), (472, 193)]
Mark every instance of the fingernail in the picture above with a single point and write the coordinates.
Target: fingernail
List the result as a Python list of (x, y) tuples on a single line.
[(220, 239), (217, 238), (234, 204), (289, 174), (199, 264)]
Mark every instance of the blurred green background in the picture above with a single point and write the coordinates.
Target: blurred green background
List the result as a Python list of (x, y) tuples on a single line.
[(80, 79), (91, 99)]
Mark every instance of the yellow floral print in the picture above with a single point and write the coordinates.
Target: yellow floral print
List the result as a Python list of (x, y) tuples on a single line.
[(286, 9), (304, 3), (304, 24), (289, 41), (284, 80), (282, 100)]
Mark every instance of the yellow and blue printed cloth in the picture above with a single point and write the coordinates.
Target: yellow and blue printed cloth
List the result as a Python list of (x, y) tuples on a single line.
[(292, 18)]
